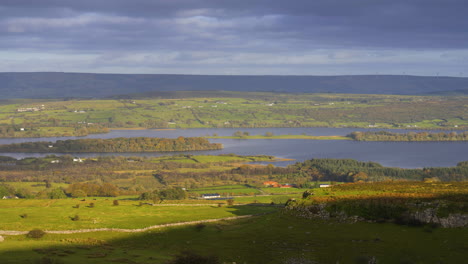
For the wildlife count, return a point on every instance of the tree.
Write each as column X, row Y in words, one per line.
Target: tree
column 24, row 193
column 307, row 194
column 238, row 134
column 146, row 196
column 36, row 233
column 4, row 191
column 57, row 193
column 360, row 176
column 78, row 193
column 172, row 194
column 108, row 189
column 48, row 184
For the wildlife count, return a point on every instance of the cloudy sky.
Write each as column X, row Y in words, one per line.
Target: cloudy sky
column 295, row 37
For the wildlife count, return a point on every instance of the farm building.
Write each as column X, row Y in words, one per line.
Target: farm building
column 10, row 197
column 210, row 195
column 271, row 184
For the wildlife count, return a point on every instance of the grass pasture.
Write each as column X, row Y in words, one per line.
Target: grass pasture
column 35, row 187
column 283, row 190
column 273, row 238
column 239, row 110
column 57, row 214
column 228, row 190
column 276, row 237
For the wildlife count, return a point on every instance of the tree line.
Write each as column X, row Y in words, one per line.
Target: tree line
column 138, row 144
column 410, row 136
column 348, row 170
column 136, row 175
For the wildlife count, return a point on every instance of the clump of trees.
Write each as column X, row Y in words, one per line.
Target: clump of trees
column 96, row 177
column 166, row 194
column 92, row 189
column 57, row 193
column 241, row 134
column 138, row 144
column 348, row 170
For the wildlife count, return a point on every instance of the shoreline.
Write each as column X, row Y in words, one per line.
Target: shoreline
column 283, row 137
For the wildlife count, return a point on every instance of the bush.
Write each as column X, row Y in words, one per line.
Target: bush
column 193, row 258
column 75, row 218
column 23, row 215
column 200, row 227
column 115, row 202
column 91, row 205
column 36, row 233
column 307, row 194
column 57, row 193
column 230, row 202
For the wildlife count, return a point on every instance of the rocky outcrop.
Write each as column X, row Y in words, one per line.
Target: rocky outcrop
column 427, row 215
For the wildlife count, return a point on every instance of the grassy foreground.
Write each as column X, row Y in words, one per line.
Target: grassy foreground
column 58, row 214
column 273, row 238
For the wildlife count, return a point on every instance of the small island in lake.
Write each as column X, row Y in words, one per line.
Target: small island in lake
column 410, row 136
column 360, row 136
column 137, row 144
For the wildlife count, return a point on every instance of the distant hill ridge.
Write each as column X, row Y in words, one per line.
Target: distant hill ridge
column 62, row 85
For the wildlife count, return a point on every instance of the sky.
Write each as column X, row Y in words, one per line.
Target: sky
column 239, row 37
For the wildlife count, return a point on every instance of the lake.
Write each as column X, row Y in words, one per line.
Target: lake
column 393, row 154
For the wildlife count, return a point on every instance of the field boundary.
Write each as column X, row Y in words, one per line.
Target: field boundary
column 124, row 230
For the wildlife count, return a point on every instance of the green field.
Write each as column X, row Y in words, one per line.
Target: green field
column 242, row 110
column 283, row 190
column 57, row 214
column 228, row 190
column 34, row 187
column 275, row 235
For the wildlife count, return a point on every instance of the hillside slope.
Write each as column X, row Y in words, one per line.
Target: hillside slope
column 60, row 85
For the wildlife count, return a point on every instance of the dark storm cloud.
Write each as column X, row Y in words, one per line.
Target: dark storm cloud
column 255, row 36
column 226, row 25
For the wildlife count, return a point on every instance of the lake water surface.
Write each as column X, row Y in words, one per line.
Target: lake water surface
column 394, row 154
